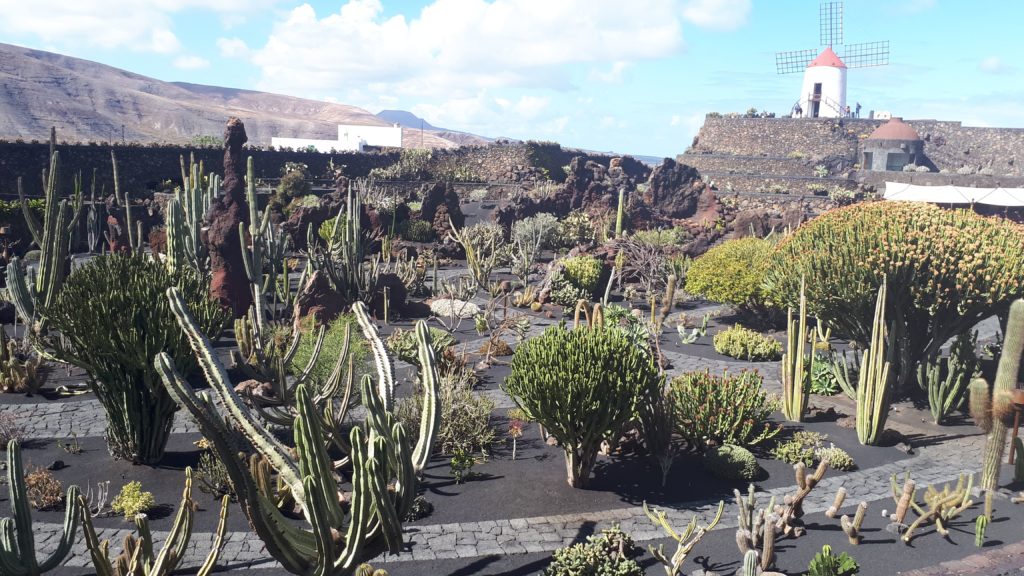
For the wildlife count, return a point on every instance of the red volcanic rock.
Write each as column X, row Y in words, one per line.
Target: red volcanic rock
column 229, row 285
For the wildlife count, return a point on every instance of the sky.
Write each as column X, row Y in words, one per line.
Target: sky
column 632, row 77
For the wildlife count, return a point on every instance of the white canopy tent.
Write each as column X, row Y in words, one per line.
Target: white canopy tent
column 954, row 194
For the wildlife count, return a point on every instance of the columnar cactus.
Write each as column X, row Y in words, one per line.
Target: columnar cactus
column 53, row 236
column 263, row 248
column 685, row 542
column 137, row 555
column 873, row 390
column 17, row 542
column 795, row 370
column 185, row 214
column 995, row 408
column 383, row 471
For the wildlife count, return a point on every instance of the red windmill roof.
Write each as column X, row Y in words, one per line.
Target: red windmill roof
column 895, row 129
column 827, row 58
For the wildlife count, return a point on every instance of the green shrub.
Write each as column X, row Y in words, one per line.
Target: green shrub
column 465, row 416
column 403, row 345
column 731, row 273
column 825, row 563
column 132, row 500
column 746, row 344
column 836, row 458
column 113, row 317
column 945, row 269
column 334, row 341
column 294, row 184
column 417, row 231
column 662, row 237
column 574, row 230
column 727, row 409
column 731, row 462
column 823, row 378
column 794, row 451
column 607, row 554
column 582, row 385
column 579, row 278
column 327, row 228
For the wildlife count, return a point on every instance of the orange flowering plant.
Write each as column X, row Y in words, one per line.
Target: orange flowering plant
column 946, row 270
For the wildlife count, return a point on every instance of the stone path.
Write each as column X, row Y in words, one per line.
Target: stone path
column 935, row 464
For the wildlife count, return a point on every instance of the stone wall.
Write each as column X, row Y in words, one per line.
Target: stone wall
column 878, row 179
column 503, row 161
column 141, row 167
column 947, row 145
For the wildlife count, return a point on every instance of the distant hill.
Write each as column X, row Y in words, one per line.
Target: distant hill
column 413, row 124
column 88, row 101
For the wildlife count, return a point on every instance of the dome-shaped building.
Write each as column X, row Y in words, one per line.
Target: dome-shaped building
column 892, row 146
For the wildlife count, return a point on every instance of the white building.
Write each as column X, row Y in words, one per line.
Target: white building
column 823, row 94
column 351, row 138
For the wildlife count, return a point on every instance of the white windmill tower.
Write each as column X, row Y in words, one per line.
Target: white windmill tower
column 823, row 93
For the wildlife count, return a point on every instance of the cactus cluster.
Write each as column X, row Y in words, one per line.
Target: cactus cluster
column 53, row 236
column 685, row 541
column 17, row 542
column 184, row 217
column 137, row 555
column 343, row 259
column 796, row 370
column 383, row 469
column 873, row 389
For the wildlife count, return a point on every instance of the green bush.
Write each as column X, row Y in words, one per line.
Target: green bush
column 825, row 563
column 334, row 341
column 836, row 458
column 794, row 451
column 403, row 345
column 731, row 463
column 132, row 500
column 945, row 270
column 465, row 416
column 727, row 409
column 579, row 278
column 582, row 385
column 746, row 344
column 113, row 316
column 417, row 231
column 731, row 273
column 607, row 554
column 294, row 184
column 574, row 230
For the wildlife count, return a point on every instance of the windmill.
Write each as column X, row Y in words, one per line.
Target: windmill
column 823, row 93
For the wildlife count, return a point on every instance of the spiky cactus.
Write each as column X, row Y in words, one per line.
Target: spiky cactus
column 263, row 254
column 873, row 391
column 185, row 214
column 17, row 542
column 343, row 259
column 996, row 407
column 795, row 370
column 685, row 542
column 338, row 539
column 137, row 555
column 53, row 236
column 750, row 567
column 852, row 527
column 620, row 213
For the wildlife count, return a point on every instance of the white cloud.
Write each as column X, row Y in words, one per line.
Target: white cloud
column 232, row 48
column 676, row 120
column 190, row 62
column 111, row 24
column 717, row 14
column 994, row 65
column 530, row 107
column 469, row 44
column 611, row 76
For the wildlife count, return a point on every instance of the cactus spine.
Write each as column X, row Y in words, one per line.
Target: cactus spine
column 1000, row 407
column 53, row 236
column 795, row 371
column 873, row 388
column 137, row 555
column 17, row 542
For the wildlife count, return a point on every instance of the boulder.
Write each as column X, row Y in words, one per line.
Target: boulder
column 319, row 299
column 673, row 189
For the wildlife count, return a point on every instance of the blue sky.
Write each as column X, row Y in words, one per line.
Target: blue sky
column 634, row 77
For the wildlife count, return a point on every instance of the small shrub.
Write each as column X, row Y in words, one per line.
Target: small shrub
column 731, row 273
column 794, row 451
column 574, row 230
column 578, row 279
column 731, row 463
column 825, row 563
column 727, row 409
column 43, row 490
column 746, row 344
column 10, row 428
column 836, row 458
column 417, row 231
column 820, row 171
column 132, row 500
column 461, row 465
column 293, row 184
column 465, row 415
column 420, row 508
column 823, row 378
column 452, row 308
column 212, row 476
column 478, row 195
column 662, row 237
column 404, row 346
column 607, row 554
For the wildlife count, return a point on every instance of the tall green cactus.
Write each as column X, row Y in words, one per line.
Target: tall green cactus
column 383, row 471
column 997, row 407
column 873, row 391
column 620, row 213
column 343, row 259
column 137, row 555
column 53, row 236
column 134, row 233
column 17, row 542
column 795, row 370
column 185, row 214
column 263, row 254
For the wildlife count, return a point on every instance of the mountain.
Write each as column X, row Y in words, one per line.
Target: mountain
column 88, row 101
column 411, row 122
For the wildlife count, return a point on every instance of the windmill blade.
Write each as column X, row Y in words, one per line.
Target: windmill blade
column 794, row 60
column 830, row 23
column 866, row 54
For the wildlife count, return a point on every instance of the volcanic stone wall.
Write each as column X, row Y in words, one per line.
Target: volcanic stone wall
column 140, row 167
